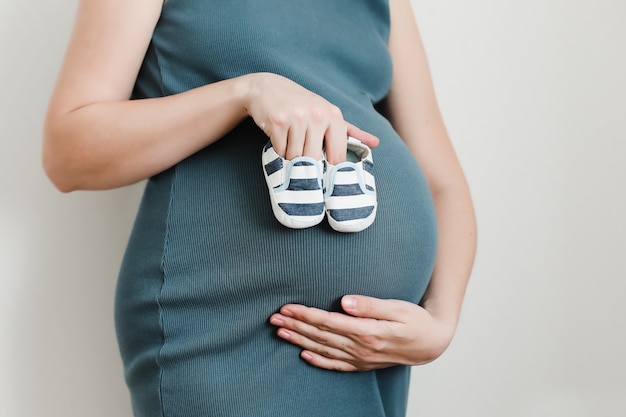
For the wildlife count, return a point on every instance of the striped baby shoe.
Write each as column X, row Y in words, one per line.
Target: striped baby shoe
column 350, row 194
column 295, row 188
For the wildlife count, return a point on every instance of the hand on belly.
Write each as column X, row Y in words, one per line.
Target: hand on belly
column 375, row 334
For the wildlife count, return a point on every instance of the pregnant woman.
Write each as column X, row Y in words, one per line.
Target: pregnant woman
column 221, row 310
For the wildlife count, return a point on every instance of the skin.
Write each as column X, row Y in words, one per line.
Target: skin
column 96, row 138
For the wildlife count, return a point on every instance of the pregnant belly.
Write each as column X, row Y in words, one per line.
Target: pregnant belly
column 224, row 247
column 207, row 264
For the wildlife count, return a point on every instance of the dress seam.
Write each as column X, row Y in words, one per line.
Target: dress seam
column 159, row 293
column 163, row 265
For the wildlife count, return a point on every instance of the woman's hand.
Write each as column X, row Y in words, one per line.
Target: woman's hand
column 376, row 334
column 298, row 121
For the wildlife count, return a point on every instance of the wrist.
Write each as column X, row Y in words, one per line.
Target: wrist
column 446, row 313
column 244, row 91
column 250, row 89
column 431, row 342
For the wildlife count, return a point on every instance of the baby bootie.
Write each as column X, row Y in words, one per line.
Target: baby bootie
column 350, row 191
column 295, row 188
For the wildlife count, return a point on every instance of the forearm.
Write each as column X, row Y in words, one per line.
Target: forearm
column 109, row 144
column 415, row 115
column 455, row 252
column 428, row 141
column 456, row 223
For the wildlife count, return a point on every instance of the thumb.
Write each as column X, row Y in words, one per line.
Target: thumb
column 374, row 308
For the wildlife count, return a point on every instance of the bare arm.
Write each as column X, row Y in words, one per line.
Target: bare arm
column 415, row 115
column 380, row 333
column 96, row 138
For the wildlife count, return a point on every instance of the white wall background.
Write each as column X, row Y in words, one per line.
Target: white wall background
column 534, row 97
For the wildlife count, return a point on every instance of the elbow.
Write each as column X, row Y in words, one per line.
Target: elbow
column 73, row 161
column 57, row 161
column 59, row 182
column 58, row 173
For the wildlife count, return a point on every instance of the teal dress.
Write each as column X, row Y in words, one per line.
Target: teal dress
column 207, row 263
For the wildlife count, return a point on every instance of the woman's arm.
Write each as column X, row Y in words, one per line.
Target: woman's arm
column 96, row 138
column 384, row 333
column 415, row 115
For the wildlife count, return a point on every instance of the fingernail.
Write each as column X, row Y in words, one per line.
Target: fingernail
column 276, row 321
column 286, row 312
column 349, row 303
column 307, row 355
column 283, row 333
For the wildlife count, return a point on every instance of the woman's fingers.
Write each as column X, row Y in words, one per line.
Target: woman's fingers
column 314, row 142
column 312, row 338
column 299, row 317
column 376, row 308
column 374, row 333
column 334, row 340
column 324, row 362
column 295, row 141
column 365, row 137
column 298, row 121
column 328, row 345
column 277, row 131
column 337, row 330
column 325, row 349
column 336, row 142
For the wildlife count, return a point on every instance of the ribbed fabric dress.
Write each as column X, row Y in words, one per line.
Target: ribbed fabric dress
column 207, row 263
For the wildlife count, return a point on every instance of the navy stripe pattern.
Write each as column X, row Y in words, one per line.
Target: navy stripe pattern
column 295, row 188
column 350, row 190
